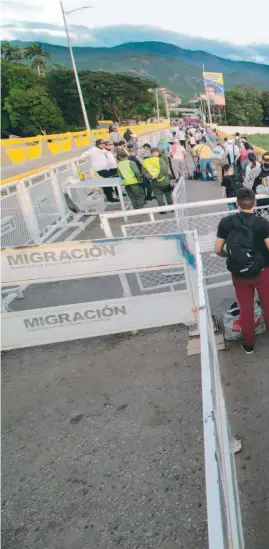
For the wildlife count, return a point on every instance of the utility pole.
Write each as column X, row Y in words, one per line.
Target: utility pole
column 207, row 99
column 166, row 104
column 81, row 98
column 157, row 104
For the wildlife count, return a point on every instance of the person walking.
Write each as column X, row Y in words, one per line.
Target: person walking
column 100, row 163
column 115, row 136
column 132, row 180
column 218, row 157
column 179, row 155
column 191, row 140
column 127, row 135
column 253, row 170
column 182, row 137
column 204, row 153
column 231, row 183
column 244, row 152
column 246, row 237
column 233, row 152
column 111, row 160
column 132, row 154
column 120, row 147
column 155, row 170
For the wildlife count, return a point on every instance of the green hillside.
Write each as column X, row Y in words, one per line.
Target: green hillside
column 172, row 67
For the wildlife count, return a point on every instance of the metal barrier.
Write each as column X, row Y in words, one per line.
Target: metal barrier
column 201, row 216
column 121, row 258
column 223, row 505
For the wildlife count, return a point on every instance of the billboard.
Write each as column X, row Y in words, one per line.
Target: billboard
column 214, row 86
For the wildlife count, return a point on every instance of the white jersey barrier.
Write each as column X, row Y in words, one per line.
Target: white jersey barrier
column 73, row 260
column 203, row 217
column 223, row 505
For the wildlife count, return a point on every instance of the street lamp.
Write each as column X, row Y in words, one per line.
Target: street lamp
column 81, row 98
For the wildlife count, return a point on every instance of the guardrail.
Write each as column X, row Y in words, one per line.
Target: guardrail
column 224, row 521
column 15, row 151
column 203, row 217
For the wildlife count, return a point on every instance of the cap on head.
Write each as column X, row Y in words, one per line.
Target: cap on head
column 252, row 157
column 265, row 157
column 99, row 142
column 108, row 143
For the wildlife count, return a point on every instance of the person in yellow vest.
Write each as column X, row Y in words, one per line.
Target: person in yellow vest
column 132, row 180
column 155, row 170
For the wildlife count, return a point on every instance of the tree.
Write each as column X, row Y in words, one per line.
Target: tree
column 31, row 112
column 244, row 106
column 265, row 107
column 253, row 106
column 36, row 53
column 235, row 107
column 9, row 52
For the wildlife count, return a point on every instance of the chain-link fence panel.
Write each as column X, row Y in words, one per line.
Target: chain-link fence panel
column 44, row 203
column 14, row 230
column 153, row 280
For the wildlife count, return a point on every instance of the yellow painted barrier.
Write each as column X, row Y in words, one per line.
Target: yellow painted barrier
column 29, row 148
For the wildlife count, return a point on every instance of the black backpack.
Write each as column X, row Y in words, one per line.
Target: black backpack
column 236, row 183
column 243, row 260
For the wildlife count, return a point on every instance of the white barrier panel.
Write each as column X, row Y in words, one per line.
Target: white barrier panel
column 183, row 219
column 223, row 506
column 71, row 322
column 73, row 260
column 69, row 260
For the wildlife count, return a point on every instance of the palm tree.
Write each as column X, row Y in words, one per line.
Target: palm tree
column 10, row 52
column 37, row 54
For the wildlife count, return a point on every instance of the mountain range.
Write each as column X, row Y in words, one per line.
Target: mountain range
column 174, row 68
column 113, row 35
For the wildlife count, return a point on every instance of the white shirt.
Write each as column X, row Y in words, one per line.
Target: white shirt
column 232, row 150
column 178, row 152
column 111, row 160
column 98, row 158
column 181, row 135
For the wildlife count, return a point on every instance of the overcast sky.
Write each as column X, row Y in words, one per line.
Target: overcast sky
column 228, row 20
column 226, row 28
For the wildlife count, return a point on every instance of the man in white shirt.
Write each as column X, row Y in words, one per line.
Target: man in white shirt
column 182, row 138
column 232, row 152
column 100, row 163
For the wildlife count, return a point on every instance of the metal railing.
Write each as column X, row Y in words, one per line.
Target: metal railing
column 223, row 505
column 204, row 217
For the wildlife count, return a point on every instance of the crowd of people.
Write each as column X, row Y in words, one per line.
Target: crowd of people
column 242, row 237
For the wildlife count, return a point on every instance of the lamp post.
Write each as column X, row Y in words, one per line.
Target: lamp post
column 157, row 105
column 81, row 98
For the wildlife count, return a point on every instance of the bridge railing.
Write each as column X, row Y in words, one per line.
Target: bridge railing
column 15, row 151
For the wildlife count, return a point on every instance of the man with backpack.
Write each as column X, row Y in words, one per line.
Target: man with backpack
column 231, row 183
column 246, row 237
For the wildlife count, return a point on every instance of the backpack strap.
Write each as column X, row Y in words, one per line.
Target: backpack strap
column 238, row 220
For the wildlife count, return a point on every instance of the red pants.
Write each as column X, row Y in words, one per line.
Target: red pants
column 244, row 290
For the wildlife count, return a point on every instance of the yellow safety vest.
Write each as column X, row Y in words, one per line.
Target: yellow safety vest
column 127, row 173
column 152, row 165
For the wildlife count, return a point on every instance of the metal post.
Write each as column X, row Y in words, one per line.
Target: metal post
column 166, row 105
column 81, row 98
column 157, row 105
column 207, row 99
